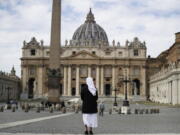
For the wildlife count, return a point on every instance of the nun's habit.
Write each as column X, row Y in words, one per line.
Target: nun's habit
column 89, row 97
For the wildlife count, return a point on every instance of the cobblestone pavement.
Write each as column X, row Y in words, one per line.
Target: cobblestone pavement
column 168, row 121
column 9, row 116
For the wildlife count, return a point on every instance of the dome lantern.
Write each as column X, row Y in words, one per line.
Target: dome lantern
column 90, row 17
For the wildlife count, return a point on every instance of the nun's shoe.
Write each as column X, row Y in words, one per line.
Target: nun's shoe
column 86, row 132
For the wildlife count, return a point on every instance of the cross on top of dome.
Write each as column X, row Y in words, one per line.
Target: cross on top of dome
column 90, row 17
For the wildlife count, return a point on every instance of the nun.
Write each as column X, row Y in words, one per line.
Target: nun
column 89, row 98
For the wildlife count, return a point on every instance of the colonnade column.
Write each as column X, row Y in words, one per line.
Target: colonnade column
column 69, row 81
column 169, row 92
column 175, row 90
column 102, row 81
column 77, row 81
column 97, row 79
column 178, row 93
column 65, row 81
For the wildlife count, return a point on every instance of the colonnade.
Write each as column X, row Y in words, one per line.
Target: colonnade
column 99, row 79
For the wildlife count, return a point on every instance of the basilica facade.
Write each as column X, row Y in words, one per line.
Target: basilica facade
column 88, row 53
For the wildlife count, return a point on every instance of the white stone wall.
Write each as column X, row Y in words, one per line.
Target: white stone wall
column 165, row 86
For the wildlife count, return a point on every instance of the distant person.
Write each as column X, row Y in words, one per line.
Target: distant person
column 101, row 108
column 89, row 98
column 48, row 104
column 62, row 104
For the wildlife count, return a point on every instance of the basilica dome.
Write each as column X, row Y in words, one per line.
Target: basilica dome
column 90, row 33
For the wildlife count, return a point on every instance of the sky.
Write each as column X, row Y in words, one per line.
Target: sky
column 152, row 21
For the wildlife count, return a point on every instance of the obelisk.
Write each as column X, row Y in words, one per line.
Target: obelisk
column 54, row 60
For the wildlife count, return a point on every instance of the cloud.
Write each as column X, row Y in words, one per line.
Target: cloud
column 154, row 21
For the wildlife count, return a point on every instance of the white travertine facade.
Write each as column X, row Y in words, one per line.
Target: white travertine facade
column 106, row 64
column 165, row 85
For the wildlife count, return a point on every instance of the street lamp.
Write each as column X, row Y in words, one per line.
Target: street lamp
column 115, row 102
column 8, row 88
column 126, row 81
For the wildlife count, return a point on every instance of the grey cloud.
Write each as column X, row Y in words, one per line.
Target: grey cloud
column 121, row 21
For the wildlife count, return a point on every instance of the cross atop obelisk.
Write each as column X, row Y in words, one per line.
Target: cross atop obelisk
column 54, row 60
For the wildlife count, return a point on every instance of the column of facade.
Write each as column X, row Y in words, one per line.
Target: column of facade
column 77, row 81
column 27, row 81
column 97, row 78
column 39, row 82
column 143, row 81
column 113, row 79
column 65, row 81
column 24, row 79
column 89, row 71
column 102, row 81
column 69, row 81
column 44, row 88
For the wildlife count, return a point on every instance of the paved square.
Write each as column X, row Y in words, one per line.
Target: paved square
column 166, row 122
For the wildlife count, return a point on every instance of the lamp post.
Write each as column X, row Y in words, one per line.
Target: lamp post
column 8, row 88
column 126, row 81
column 115, row 102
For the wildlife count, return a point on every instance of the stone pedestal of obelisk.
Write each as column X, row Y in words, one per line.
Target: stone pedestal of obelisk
column 54, row 60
